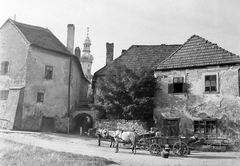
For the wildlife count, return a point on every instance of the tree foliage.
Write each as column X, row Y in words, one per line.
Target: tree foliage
column 126, row 94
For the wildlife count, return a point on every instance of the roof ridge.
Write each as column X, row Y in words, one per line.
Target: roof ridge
column 30, row 26
column 156, row 45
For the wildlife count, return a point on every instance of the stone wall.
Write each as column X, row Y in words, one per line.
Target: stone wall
column 126, row 125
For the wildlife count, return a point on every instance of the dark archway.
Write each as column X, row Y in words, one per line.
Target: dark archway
column 82, row 120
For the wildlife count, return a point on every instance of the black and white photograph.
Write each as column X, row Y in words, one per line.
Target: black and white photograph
column 120, row 83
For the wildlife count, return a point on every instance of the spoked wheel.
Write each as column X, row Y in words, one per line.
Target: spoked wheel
column 155, row 149
column 144, row 144
column 180, row 148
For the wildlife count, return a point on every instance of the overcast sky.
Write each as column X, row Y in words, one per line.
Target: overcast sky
column 131, row 22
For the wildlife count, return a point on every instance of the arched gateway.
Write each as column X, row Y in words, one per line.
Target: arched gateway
column 84, row 120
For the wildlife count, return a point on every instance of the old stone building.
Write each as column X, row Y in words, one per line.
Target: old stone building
column 136, row 57
column 199, row 90
column 41, row 81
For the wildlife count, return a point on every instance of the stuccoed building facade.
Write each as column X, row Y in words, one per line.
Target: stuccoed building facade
column 41, row 81
column 200, row 91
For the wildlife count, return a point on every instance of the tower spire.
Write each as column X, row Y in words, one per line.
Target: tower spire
column 87, row 31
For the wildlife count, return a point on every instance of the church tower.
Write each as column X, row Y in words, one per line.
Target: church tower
column 86, row 58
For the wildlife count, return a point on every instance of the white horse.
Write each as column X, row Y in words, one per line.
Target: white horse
column 126, row 137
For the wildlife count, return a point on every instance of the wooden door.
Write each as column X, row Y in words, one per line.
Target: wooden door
column 47, row 124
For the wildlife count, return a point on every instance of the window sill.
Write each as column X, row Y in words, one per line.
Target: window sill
column 180, row 93
column 211, row 93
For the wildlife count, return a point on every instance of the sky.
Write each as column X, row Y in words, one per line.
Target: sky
column 131, row 22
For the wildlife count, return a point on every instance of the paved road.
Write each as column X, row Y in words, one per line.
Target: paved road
column 88, row 146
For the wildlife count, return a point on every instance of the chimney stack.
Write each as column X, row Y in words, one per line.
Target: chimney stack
column 78, row 52
column 70, row 37
column 123, row 51
column 109, row 57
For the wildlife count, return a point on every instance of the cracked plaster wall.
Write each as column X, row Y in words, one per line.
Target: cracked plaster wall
column 224, row 105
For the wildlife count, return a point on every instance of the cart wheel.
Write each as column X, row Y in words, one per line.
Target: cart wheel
column 155, row 149
column 144, row 144
column 180, row 149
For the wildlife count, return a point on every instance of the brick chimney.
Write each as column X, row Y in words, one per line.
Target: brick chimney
column 78, row 52
column 70, row 37
column 109, row 57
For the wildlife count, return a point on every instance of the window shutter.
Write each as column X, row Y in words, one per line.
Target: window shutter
column 170, row 88
column 185, row 88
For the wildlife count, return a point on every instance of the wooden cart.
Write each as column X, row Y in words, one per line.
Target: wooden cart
column 178, row 145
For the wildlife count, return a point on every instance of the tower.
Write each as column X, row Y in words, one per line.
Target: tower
column 86, row 58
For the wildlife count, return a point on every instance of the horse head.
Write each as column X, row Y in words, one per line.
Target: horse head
column 103, row 132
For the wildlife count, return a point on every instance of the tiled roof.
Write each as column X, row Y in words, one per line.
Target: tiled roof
column 198, row 52
column 41, row 37
column 138, row 56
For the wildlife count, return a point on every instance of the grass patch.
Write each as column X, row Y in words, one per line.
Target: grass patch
column 24, row 155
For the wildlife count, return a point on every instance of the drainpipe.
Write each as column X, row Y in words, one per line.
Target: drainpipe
column 70, row 46
column 69, row 91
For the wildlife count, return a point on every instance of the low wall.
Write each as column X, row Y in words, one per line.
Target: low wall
column 126, row 125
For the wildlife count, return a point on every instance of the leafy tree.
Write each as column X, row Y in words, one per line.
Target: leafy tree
column 126, row 94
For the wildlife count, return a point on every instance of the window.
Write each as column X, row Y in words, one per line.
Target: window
column 178, row 86
column 48, row 72
column 40, row 97
column 210, row 83
column 4, row 67
column 205, row 127
column 4, row 94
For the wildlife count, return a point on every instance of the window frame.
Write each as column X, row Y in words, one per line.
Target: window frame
column 4, row 94
column 4, row 69
column 40, row 97
column 179, row 82
column 48, row 72
column 217, row 83
column 204, row 126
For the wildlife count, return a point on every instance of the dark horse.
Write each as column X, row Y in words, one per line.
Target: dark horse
column 126, row 137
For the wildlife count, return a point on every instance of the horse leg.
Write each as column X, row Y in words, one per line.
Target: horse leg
column 134, row 145
column 99, row 141
column 116, row 147
column 110, row 144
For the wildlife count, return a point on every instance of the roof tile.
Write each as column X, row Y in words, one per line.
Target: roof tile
column 138, row 56
column 41, row 37
column 196, row 52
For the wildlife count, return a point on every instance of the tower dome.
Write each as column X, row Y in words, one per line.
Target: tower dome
column 86, row 58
